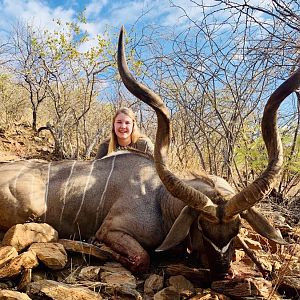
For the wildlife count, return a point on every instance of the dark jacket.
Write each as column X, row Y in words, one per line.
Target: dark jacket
column 143, row 144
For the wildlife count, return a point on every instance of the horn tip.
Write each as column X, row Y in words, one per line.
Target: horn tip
column 281, row 241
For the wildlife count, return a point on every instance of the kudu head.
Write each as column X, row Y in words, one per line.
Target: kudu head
column 217, row 215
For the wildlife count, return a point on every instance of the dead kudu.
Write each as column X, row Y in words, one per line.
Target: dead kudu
column 133, row 204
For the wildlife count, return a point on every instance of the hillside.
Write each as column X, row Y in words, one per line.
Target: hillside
column 20, row 142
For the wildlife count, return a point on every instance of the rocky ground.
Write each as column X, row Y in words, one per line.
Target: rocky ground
column 36, row 264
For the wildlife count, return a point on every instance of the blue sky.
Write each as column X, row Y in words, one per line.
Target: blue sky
column 99, row 12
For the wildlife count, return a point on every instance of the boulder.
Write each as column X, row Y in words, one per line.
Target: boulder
column 26, row 260
column 52, row 255
column 48, row 289
column 7, row 253
column 13, row 295
column 21, row 236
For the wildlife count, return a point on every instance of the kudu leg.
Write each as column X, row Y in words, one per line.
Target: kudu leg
column 127, row 250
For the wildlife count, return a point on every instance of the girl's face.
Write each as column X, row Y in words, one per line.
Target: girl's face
column 123, row 127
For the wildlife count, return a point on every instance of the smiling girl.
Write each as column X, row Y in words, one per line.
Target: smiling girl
column 125, row 134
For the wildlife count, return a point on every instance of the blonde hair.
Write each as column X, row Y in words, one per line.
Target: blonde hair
column 135, row 135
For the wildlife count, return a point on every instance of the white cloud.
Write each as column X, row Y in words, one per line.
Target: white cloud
column 126, row 12
column 161, row 12
column 36, row 13
column 92, row 28
column 95, row 7
column 100, row 13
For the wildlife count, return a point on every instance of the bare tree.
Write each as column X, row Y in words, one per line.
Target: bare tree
column 218, row 71
column 26, row 65
column 73, row 87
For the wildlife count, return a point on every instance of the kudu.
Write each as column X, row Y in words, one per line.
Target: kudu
column 121, row 200
column 213, row 211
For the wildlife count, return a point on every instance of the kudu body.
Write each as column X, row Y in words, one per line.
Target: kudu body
column 119, row 198
column 134, row 204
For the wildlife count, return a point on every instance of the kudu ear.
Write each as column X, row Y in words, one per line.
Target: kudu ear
column 262, row 226
column 179, row 229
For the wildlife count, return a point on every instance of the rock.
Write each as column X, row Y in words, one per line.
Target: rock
column 112, row 290
column 238, row 255
column 48, row 289
column 243, row 287
column 118, row 279
column 115, row 273
column 182, row 285
column 38, row 275
column 89, row 273
column 52, row 255
column 6, row 285
column 241, row 269
column 21, row 236
column 168, row 293
column 290, row 286
column 6, row 254
column 196, row 276
column 38, row 139
column 13, row 295
column 207, row 294
column 153, row 284
column 114, row 267
column 26, row 260
column 265, row 262
column 25, row 280
column 265, row 243
column 252, row 244
column 70, row 278
column 85, row 248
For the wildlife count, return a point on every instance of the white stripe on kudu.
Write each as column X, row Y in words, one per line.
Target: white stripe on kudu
column 46, row 191
column 100, row 206
column 65, row 193
column 84, row 192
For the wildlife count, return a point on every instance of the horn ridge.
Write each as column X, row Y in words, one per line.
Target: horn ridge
column 259, row 188
column 174, row 185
